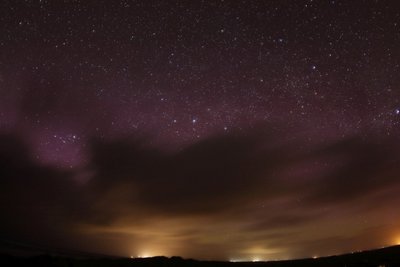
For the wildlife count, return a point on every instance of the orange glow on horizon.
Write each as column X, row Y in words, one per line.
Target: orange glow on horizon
column 396, row 240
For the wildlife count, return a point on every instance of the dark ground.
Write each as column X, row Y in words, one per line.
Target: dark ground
column 386, row 257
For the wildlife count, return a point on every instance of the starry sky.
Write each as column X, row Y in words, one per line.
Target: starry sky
column 229, row 130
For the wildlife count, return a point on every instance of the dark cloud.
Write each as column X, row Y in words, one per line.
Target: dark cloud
column 217, row 178
column 362, row 167
column 286, row 220
column 34, row 198
column 210, row 175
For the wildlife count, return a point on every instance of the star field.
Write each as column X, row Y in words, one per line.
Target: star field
column 78, row 76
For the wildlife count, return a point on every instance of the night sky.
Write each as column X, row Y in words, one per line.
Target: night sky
column 229, row 130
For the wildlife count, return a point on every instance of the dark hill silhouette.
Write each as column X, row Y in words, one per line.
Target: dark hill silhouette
column 385, row 257
column 25, row 250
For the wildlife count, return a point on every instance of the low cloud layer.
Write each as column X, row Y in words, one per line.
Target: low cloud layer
column 240, row 195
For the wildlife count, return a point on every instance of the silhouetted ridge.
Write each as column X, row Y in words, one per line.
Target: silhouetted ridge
column 385, row 257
